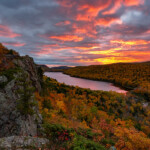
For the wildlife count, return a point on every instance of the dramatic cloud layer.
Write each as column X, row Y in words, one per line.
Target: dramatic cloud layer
column 77, row 32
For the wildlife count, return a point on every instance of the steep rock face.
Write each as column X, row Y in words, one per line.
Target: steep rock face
column 12, row 122
column 28, row 65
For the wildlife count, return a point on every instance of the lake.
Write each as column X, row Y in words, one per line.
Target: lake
column 84, row 83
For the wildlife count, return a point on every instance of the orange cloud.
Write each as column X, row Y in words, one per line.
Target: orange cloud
column 49, row 45
column 15, row 44
column 80, row 30
column 137, row 53
column 111, row 60
column 83, row 17
column 85, row 29
column 117, row 4
column 42, row 52
column 89, row 9
column 133, row 2
column 133, row 42
column 107, row 21
column 106, row 52
column 5, row 31
column 51, row 48
column 148, row 31
column 86, row 48
column 120, row 54
column 126, row 56
column 74, row 38
column 46, row 49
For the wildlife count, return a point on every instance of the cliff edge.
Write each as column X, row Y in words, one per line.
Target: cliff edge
column 19, row 80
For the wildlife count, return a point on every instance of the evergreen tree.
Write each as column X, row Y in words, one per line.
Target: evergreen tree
column 26, row 102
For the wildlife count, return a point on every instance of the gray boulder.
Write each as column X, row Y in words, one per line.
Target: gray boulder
column 112, row 148
column 3, row 79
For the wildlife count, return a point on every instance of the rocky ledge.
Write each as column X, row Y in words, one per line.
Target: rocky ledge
column 22, row 143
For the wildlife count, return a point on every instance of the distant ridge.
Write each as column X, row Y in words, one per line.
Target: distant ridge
column 45, row 68
column 59, row 68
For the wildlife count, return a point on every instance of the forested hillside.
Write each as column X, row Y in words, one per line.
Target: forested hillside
column 127, row 75
column 81, row 119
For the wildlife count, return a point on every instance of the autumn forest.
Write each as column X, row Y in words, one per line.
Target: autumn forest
column 81, row 119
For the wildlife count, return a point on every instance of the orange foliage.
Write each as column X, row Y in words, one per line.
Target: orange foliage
column 131, row 139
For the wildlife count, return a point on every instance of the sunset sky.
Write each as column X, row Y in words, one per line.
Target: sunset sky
column 77, row 32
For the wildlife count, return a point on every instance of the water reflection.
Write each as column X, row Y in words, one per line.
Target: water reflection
column 84, row 83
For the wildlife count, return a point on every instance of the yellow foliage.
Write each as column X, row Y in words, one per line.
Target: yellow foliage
column 61, row 105
column 131, row 139
column 84, row 124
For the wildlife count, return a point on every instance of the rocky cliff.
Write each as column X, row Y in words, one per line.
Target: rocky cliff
column 19, row 80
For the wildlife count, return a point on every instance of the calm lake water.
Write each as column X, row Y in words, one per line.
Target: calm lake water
column 84, row 83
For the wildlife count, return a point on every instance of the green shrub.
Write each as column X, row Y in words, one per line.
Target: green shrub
column 81, row 143
column 57, row 132
column 47, row 104
column 10, row 73
column 86, row 133
column 94, row 110
column 108, row 141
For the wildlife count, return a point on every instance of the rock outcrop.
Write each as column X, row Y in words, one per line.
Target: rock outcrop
column 12, row 121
